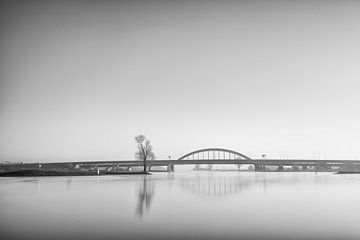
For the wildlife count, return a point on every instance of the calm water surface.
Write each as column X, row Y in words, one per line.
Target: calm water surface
column 202, row 205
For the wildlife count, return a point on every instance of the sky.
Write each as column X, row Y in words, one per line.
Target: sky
column 80, row 79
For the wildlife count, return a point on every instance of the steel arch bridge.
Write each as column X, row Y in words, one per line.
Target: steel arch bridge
column 214, row 154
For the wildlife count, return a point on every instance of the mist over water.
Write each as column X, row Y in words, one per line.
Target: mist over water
column 200, row 205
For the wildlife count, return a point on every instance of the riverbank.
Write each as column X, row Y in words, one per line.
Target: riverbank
column 48, row 173
column 348, row 172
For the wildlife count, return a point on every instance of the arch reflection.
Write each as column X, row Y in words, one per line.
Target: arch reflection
column 215, row 186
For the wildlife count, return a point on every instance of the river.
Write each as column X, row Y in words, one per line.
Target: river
column 180, row 205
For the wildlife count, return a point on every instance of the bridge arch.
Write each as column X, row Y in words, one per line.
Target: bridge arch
column 235, row 154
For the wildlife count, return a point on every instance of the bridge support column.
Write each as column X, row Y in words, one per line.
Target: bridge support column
column 170, row 168
column 260, row 168
column 320, row 167
column 295, row 168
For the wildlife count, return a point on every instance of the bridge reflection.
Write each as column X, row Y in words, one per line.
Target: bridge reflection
column 215, row 186
column 211, row 186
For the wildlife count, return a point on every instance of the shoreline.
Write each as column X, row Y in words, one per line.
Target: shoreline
column 50, row 173
column 347, row 172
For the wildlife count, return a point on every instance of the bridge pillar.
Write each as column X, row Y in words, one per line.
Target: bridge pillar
column 260, row 168
column 295, row 168
column 320, row 167
column 170, row 168
column 257, row 168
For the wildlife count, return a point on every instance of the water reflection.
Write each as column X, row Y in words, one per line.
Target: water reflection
column 145, row 195
column 68, row 184
column 215, row 187
column 185, row 204
column 224, row 186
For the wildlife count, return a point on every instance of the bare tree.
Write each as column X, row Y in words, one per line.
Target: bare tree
column 145, row 150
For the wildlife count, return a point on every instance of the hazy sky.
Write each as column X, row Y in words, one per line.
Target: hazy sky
column 79, row 79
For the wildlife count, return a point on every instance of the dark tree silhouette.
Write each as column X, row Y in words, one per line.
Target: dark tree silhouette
column 145, row 150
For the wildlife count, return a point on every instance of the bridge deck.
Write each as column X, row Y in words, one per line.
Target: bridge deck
column 288, row 162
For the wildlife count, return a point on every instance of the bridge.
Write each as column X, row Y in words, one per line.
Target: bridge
column 207, row 156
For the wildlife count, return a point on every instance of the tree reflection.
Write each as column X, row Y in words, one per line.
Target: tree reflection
column 145, row 195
